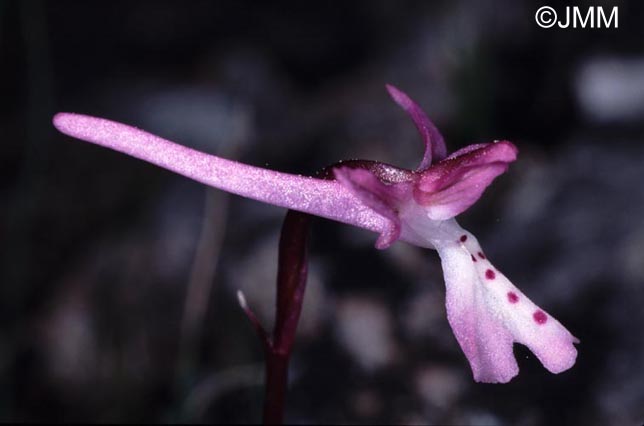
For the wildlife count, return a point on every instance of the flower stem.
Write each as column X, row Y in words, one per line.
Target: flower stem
column 275, row 387
column 291, row 282
column 292, row 272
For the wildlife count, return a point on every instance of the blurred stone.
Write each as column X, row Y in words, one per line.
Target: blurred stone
column 69, row 339
column 631, row 253
column 440, row 387
column 611, row 88
column 367, row 403
column 364, row 328
column 425, row 314
column 479, row 418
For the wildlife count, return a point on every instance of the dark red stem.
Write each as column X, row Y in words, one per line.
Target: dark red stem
column 292, row 270
column 276, row 381
column 291, row 282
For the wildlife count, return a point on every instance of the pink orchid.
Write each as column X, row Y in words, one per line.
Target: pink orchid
column 486, row 311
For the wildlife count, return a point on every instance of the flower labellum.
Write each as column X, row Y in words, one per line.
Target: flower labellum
column 485, row 310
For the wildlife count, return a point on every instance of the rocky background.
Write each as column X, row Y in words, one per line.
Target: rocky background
column 118, row 279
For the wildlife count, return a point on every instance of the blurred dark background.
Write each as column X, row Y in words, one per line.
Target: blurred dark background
column 118, row 279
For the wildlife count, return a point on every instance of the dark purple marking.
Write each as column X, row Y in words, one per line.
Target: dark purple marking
column 512, row 297
column 481, row 255
column 463, row 238
column 489, row 274
column 540, row 317
column 473, row 258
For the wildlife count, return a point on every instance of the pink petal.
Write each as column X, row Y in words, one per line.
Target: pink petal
column 435, row 149
column 382, row 198
column 454, row 184
column 324, row 198
column 488, row 314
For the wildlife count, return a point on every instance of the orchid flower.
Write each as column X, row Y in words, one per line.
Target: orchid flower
column 485, row 310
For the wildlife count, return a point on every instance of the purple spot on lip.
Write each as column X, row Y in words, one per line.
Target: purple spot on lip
column 512, row 297
column 489, row 274
column 463, row 238
column 481, row 255
column 473, row 258
column 539, row 317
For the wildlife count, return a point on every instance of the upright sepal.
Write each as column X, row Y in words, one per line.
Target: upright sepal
column 435, row 149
